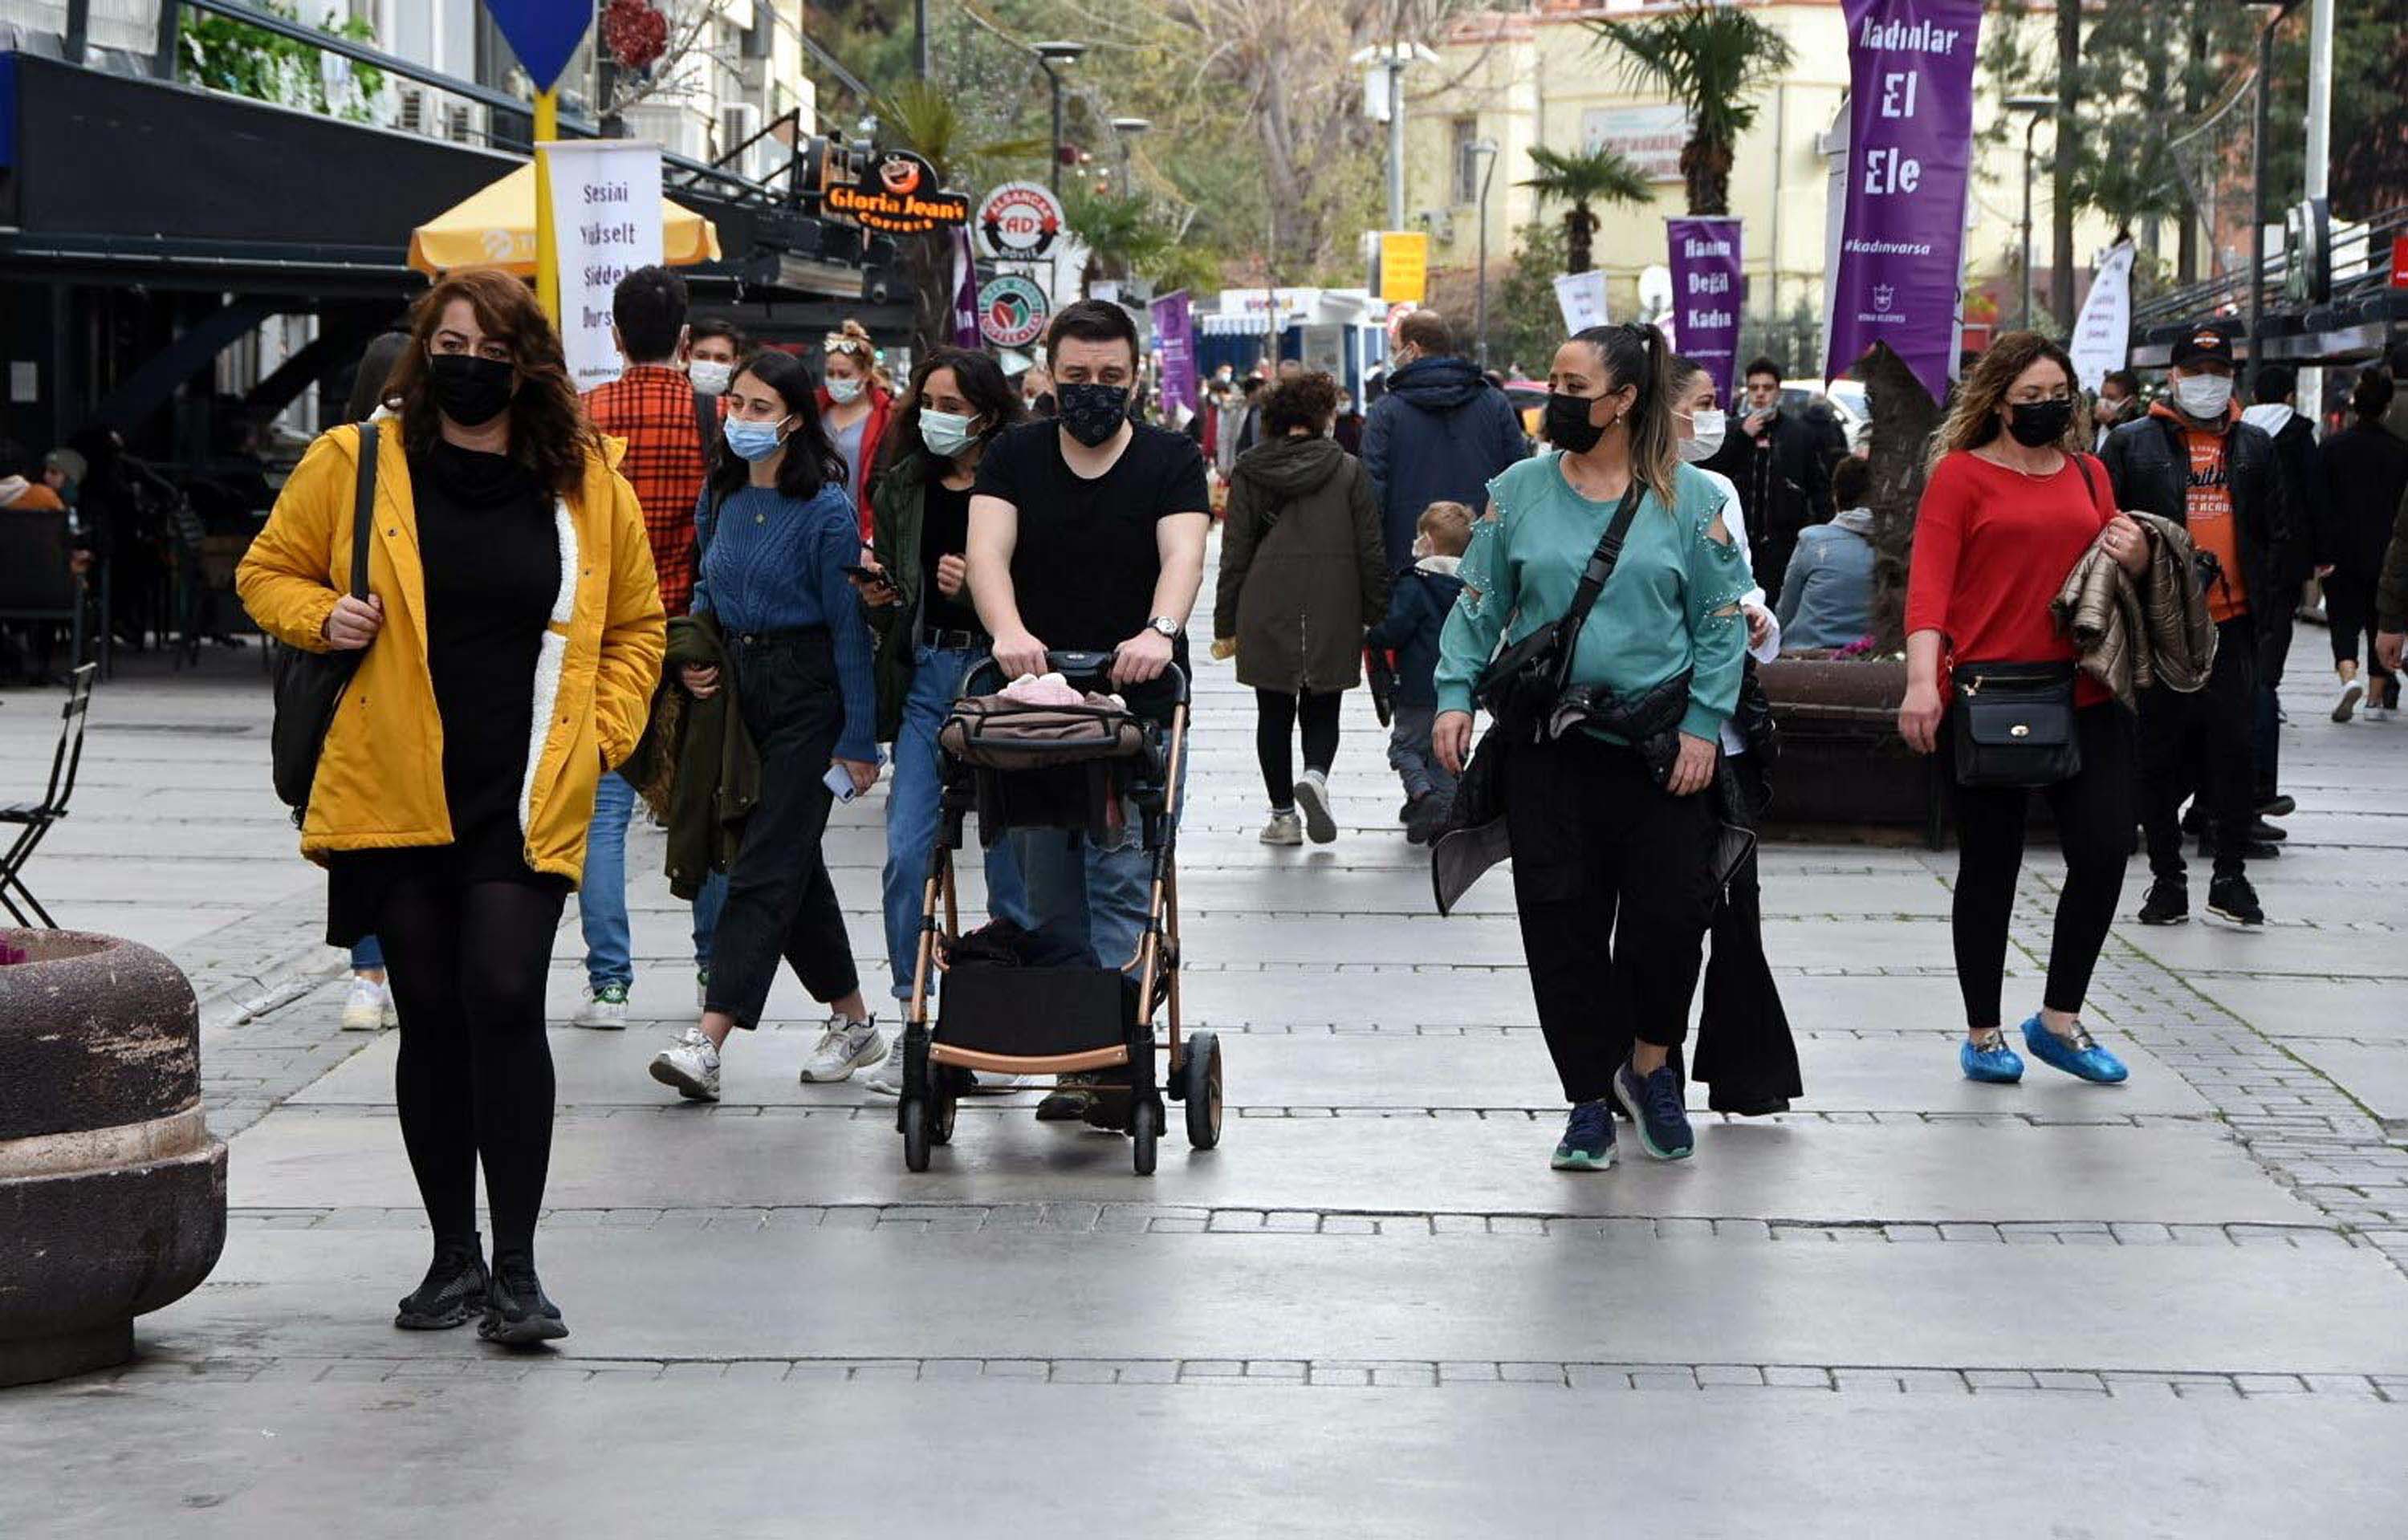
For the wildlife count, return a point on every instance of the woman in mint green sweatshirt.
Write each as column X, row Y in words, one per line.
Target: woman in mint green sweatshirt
column 1601, row 845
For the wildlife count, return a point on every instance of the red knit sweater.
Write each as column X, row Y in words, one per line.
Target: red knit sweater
column 1992, row 547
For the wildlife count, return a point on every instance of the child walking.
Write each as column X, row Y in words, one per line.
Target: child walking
column 1418, row 604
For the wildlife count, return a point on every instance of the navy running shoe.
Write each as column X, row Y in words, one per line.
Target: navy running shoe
column 1654, row 1103
column 1587, row 1144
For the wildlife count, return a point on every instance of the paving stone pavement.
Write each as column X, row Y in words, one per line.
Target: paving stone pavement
column 1373, row 1307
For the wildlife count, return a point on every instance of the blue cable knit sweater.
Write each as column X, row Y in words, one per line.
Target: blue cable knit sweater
column 773, row 564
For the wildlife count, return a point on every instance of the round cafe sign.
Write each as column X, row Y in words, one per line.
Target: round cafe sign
column 1013, row 311
column 1019, row 221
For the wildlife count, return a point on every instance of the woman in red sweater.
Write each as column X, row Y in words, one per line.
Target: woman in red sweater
column 2011, row 506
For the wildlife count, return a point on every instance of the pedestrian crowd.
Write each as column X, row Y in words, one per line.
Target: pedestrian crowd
column 742, row 585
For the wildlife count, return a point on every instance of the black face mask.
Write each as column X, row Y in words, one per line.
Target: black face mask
column 1093, row 413
column 469, row 390
column 1567, row 426
column 2037, row 425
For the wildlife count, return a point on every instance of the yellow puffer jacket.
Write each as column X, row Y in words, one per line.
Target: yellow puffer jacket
column 379, row 781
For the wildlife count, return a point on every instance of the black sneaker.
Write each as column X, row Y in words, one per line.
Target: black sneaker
column 2168, row 904
column 2251, row 850
column 454, row 1287
column 2277, row 807
column 2231, row 897
column 517, row 1313
column 1424, row 818
column 1068, row 1101
column 2266, row 833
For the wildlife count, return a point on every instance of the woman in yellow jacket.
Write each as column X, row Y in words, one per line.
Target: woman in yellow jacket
column 513, row 632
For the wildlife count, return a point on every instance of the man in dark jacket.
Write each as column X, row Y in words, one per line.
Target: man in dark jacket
column 2192, row 460
column 1437, row 435
column 1777, row 461
column 2292, row 562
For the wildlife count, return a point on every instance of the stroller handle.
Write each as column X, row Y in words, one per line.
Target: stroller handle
column 1094, row 667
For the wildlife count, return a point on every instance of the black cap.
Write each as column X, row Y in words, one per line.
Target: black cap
column 2204, row 343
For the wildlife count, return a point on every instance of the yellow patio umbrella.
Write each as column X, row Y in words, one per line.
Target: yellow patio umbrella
column 495, row 228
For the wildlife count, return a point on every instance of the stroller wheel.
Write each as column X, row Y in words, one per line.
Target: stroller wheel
column 1145, row 1133
column 940, row 1118
column 915, row 1134
column 1200, row 1086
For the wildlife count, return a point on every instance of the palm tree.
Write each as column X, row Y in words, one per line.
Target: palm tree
column 1598, row 176
column 1711, row 57
column 1120, row 233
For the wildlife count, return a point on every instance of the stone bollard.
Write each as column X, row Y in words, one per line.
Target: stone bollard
column 112, row 1193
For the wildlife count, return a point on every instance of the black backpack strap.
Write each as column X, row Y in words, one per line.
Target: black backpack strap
column 706, row 425
column 364, row 509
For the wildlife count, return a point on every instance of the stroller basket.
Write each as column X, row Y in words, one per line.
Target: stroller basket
column 995, row 733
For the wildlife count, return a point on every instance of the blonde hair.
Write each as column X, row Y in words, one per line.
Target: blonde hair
column 853, row 337
column 1448, row 526
column 1972, row 420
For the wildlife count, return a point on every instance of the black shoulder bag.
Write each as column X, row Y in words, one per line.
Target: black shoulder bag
column 2012, row 723
column 309, row 685
column 1522, row 685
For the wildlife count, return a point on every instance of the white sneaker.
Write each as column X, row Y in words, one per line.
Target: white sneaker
column 1313, row 801
column 2376, row 713
column 888, row 1078
column 691, row 1064
column 845, row 1046
column 2352, row 692
column 1284, row 829
column 368, row 1007
column 605, row 1009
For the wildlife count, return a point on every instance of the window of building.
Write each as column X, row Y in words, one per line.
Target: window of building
column 1463, row 134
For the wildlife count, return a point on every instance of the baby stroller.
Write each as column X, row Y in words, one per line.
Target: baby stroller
column 1068, row 769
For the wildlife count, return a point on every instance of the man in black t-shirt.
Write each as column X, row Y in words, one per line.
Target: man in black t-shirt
column 1087, row 536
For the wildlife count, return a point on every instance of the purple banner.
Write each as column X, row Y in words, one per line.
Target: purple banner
column 966, row 290
column 1174, row 337
column 1910, row 146
column 1706, row 295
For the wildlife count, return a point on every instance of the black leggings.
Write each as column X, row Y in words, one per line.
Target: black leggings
column 1275, row 719
column 2094, row 826
column 2349, row 606
column 467, row 963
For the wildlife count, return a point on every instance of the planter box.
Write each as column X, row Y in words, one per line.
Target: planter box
column 1843, row 768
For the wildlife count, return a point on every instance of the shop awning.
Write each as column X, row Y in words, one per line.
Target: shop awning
column 495, row 228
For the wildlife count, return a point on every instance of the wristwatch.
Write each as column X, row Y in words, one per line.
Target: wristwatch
column 1167, row 626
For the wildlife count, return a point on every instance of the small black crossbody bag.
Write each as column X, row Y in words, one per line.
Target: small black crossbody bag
column 2013, row 722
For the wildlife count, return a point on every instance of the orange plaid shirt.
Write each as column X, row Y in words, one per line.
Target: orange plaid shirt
column 651, row 408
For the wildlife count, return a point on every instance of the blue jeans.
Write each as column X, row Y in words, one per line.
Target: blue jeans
column 1090, row 895
column 602, row 901
column 368, row 956
column 911, row 808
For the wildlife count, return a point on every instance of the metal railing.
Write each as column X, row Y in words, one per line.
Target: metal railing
column 2228, row 293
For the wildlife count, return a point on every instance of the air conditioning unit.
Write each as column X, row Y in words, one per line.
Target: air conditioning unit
column 460, row 124
column 409, row 110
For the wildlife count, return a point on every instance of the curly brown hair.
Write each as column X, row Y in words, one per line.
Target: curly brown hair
column 1973, row 418
column 550, row 434
column 1307, row 402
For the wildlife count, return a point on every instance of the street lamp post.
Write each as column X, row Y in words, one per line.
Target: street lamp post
column 2038, row 106
column 1128, row 129
column 2277, row 9
column 1480, row 306
column 1049, row 55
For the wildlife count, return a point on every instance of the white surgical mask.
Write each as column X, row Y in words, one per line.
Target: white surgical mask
column 710, row 376
column 946, row 434
column 1707, row 439
column 2204, row 396
column 844, row 393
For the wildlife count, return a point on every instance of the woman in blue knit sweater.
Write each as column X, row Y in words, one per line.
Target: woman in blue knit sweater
column 776, row 531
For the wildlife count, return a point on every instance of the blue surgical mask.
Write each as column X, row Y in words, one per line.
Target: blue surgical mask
column 753, row 440
column 844, row 393
column 946, row 434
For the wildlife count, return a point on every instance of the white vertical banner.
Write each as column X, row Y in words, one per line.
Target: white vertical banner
column 1581, row 296
column 2102, row 337
column 606, row 215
